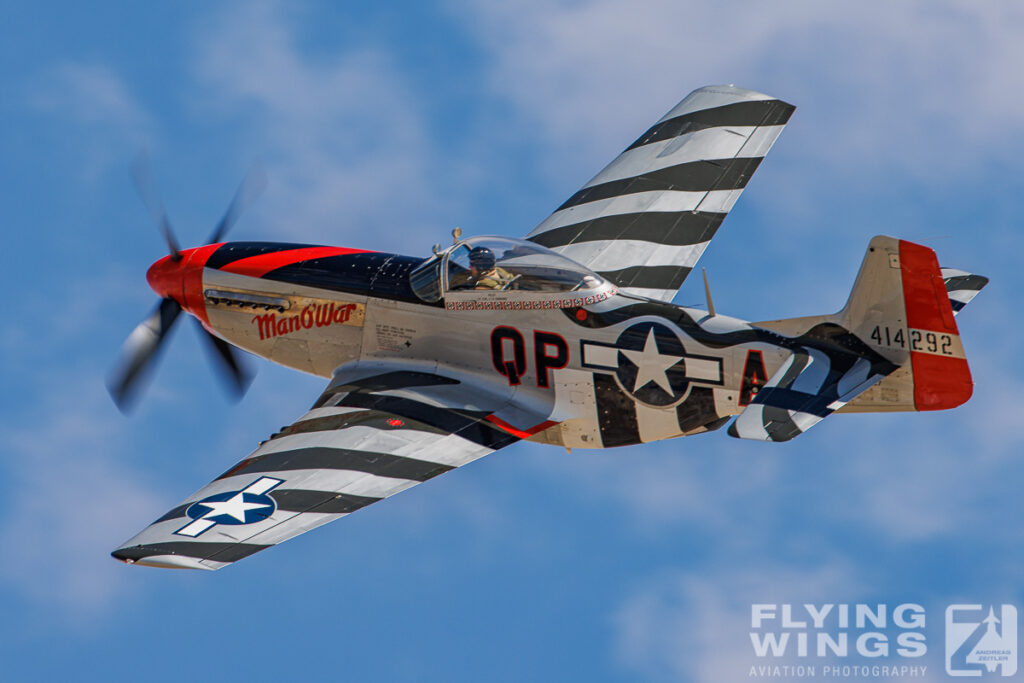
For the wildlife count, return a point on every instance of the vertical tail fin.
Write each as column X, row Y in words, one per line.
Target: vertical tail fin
column 900, row 308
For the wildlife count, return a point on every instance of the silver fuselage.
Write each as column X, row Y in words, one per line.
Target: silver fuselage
column 319, row 331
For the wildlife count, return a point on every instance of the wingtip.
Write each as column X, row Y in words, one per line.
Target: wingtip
column 131, row 555
column 733, row 91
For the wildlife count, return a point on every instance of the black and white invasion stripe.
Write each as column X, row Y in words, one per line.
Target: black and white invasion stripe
column 644, row 221
column 962, row 287
column 624, row 421
column 352, row 449
column 812, row 384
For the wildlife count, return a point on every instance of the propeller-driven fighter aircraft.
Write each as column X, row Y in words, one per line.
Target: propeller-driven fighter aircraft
column 567, row 337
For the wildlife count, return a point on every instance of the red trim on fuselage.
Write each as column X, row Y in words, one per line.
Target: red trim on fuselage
column 521, row 433
column 258, row 266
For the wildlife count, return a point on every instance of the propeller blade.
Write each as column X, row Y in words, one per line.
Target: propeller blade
column 138, row 351
column 142, row 174
column 252, row 186
column 234, row 372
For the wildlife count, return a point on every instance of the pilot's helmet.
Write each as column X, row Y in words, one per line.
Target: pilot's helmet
column 482, row 258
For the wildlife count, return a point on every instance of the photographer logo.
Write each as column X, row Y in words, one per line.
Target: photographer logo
column 981, row 640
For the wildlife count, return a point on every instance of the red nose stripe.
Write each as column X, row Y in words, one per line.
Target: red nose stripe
column 194, row 301
column 258, row 266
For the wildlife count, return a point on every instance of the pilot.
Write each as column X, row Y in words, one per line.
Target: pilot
column 483, row 271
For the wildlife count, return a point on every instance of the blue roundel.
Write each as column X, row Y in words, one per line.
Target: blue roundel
column 233, row 507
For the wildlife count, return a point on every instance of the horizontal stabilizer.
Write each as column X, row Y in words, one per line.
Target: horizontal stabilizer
column 811, row 385
column 962, row 287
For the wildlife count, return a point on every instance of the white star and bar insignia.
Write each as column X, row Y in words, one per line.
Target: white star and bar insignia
column 234, row 507
column 660, row 371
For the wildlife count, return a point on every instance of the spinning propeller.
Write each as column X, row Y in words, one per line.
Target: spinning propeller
column 146, row 340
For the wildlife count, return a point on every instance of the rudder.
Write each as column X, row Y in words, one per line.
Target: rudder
column 900, row 307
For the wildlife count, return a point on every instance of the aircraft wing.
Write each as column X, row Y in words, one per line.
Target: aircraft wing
column 364, row 440
column 646, row 218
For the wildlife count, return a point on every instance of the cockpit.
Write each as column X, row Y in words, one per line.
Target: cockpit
column 499, row 272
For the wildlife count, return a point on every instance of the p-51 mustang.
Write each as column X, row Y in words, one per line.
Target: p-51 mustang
column 566, row 337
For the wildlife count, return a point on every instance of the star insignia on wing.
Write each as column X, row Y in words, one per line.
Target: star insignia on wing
column 233, row 507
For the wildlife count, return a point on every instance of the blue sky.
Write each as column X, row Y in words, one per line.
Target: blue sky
column 384, row 127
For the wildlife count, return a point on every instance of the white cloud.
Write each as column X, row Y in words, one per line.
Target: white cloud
column 694, row 625
column 915, row 84
column 342, row 135
column 95, row 95
column 111, row 122
column 699, row 481
column 71, row 502
column 73, row 493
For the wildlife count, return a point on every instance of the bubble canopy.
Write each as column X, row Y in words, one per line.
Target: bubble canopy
column 501, row 269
